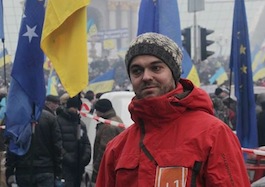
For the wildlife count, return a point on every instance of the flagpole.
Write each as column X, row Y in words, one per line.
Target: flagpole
column 4, row 57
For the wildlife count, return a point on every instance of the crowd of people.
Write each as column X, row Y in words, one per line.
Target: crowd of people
column 60, row 148
column 178, row 130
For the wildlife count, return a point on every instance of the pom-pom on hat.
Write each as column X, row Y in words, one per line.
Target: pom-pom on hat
column 159, row 46
column 103, row 105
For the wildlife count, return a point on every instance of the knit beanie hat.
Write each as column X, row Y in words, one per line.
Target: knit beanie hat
column 103, row 105
column 74, row 102
column 159, row 46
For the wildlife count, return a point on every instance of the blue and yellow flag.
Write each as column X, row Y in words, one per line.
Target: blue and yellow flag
column 64, row 41
column 240, row 64
column 27, row 90
column 163, row 17
column 5, row 58
column 258, row 65
column 91, row 28
column 52, row 83
column 103, row 83
column 219, row 77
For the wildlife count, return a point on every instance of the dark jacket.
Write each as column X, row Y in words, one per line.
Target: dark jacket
column 76, row 152
column 45, row 152
column 104, row 133
column 261, row 126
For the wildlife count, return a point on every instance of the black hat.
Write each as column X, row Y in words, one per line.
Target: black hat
column 218, row 91
column 53, row 98
column 74, row 102
column 103, row 105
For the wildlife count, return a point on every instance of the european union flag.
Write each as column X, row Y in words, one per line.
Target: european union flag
column 27, row 91
column 163, row 17
column 2, row 36
column 240, row 64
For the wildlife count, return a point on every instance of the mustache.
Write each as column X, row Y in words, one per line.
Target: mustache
column 145, row 85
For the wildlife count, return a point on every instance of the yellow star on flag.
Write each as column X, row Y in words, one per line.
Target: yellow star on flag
column 242, row 49
column 244, row 69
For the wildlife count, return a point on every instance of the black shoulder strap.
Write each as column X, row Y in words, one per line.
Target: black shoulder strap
column 195, row 171
column 142, row 146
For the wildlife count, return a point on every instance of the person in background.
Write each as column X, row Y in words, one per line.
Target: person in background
column 52, row 103
column 261, row 125
column 230, row 106
column 104, row 132
column 221, row 111
column 3, row 94
column 98, row 95
column 175, row 137
column 90, row 100
column 76, row 145
column 42, row 164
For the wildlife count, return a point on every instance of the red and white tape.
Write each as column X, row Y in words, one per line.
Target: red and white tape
column 85, row 113
column 257, row 152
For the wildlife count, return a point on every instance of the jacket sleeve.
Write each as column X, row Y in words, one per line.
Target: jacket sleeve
column 225, row 165
column 85, row 147
column 106, row 175
column 57, row 148
column 107, row 133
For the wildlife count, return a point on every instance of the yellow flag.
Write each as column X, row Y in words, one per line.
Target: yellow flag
column 64, row 41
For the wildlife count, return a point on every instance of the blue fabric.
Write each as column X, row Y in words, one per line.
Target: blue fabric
column 2, row 36
column 2, row 108
column 27, row 91
column 163, row 17
column 240, row 64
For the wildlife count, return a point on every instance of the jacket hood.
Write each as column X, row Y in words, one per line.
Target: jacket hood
column 171, row 105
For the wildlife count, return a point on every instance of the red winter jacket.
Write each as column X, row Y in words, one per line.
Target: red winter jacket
column 178, row 129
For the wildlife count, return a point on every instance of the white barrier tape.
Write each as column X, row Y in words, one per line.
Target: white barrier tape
column 106, row 121
column 85, row 112
column 254, row 151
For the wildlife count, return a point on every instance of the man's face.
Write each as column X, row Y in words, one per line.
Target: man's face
column 150, row 77
column 52, row 105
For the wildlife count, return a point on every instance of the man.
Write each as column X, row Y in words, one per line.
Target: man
column 52, row 103
column 230, row 104
column 76, row 145
column 104, row 132
column 42, row 164
column 175, row 138
column 261, row 125
column 3, row 94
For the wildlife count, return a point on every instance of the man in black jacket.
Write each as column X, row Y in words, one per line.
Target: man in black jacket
column 42, row 164
column 76, row 145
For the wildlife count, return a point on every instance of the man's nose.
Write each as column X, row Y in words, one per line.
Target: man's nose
column 147, row 74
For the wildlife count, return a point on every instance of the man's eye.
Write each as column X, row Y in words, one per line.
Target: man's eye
column 136, row 71
column 156, row 68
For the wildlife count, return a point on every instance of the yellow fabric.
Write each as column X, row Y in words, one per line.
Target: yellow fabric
column 6, row 61
column 194, row 77
column 222, row 78
column 102, row 86
column 64, row 41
